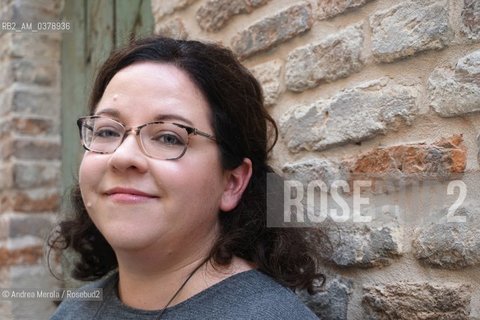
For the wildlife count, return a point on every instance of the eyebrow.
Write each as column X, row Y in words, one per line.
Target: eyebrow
column 161, row 117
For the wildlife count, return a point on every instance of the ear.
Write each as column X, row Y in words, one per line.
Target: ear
column 236, row 183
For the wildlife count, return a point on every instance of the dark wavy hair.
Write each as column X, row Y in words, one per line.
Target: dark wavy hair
column 244, row 129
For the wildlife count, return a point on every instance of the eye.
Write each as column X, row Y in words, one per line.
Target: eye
column 168, row 139
column 106, row 133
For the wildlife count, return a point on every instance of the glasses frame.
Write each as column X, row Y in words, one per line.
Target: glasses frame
column 81, row 122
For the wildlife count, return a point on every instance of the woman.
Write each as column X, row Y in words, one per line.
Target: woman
column 170, row 204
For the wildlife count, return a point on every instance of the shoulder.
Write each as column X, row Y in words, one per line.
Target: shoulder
column 83, row 302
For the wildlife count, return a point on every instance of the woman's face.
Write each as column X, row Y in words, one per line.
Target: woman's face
column 178, row 208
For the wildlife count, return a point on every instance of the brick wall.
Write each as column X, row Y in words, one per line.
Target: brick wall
column 381, row 91
column 29, row 153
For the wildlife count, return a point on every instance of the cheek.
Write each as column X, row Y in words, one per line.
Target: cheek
column 207, row 187
column 195, row 179
column 89, row 175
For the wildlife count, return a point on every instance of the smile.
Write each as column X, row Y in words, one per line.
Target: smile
column 129, row 195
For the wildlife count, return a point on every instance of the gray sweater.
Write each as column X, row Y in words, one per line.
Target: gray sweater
column 246, row 295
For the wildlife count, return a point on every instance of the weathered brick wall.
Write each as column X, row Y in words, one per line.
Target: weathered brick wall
column 383, row 91
column 29, row 153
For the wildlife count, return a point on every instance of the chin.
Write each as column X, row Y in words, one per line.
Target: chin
column 128, row 244
column 121, row 239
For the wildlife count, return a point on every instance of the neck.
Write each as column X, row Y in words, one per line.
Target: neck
column 149, row 278
column 155, row 291
column 164, row 257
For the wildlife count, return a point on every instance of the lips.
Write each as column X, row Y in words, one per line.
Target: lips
column 129, row 195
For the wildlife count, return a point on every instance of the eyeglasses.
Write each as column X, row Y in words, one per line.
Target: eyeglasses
column 160, row 140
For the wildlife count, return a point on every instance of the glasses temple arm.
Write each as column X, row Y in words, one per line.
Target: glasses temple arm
column 204, row 134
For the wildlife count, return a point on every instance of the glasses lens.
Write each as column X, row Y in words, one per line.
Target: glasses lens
column 164, row 140
column 102, row 134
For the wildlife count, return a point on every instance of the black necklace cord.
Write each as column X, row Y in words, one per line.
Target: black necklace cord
column 180, row 289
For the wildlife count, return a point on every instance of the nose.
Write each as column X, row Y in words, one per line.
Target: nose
column 129, row 155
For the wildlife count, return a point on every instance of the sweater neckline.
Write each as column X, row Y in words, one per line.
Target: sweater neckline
column 112, row 289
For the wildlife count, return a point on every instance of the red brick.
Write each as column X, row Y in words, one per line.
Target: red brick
column 29, row 201
column 5, row 203
column 32, row 126
column 441, row 158
column 36, row 149
column 26, row 256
